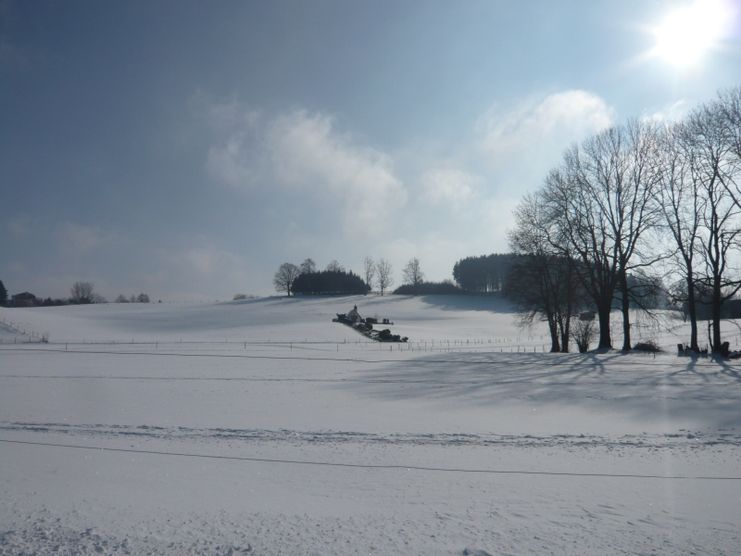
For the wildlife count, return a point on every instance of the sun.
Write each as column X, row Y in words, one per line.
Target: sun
column 688, row 34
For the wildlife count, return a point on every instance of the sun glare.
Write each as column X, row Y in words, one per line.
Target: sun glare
column 686, row 35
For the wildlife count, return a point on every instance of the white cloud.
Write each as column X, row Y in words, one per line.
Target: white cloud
column 564, row 117
column 308, row 152
column 464, row 193
column 523, row 142
column 232, row 161
column 450, row 186
column 672, row 112
column 209, row 260
column 304, row 153
column 78, row 238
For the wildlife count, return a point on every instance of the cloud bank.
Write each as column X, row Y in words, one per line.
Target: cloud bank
column 449, row 206
column 305, row 153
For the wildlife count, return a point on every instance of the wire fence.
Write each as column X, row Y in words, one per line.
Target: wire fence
column 21, row 333
column 383, row 466
column 501, row 345
column 641, row 328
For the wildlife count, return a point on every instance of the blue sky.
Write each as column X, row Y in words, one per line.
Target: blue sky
column 187, row 149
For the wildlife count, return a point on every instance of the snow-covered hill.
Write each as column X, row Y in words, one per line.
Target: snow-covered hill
column 458, row 320
column 261, row 427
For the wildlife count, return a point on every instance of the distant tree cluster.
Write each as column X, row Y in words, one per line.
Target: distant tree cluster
column 429, row 288
column 330, row 282
column 484, row 274
column 81, row 293
column 141, row 298
column 334, row 279
column 306, row 279
column 378, row 273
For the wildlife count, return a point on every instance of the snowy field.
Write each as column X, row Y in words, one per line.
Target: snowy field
column 260, row 427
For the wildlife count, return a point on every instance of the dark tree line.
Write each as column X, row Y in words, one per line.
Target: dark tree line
column 330, row 282
column 484, row 274
column 429, row 288
column 306, row 279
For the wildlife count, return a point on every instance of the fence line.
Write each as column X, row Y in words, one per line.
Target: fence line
column 400, row 467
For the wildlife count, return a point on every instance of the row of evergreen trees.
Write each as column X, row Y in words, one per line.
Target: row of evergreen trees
column 330, row 282
column 484, row 274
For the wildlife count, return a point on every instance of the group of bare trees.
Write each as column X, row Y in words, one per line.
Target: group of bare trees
column 635, row 199
column 378, row 273
column 82, row 293
column 141, row 298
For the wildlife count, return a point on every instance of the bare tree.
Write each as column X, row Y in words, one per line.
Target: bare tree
column 308, row 266
column 636, row 212
column 543, row 281
column 412, row 272
column 603, row 198
column 582, row 331
column 370, row 271
column 729, row 105
column 719, row 232
column 682, row 205
column 334, row 266
column 284, row 278
column 122, row 298
column 82, row 292
column 383, row 270
column 583, row 231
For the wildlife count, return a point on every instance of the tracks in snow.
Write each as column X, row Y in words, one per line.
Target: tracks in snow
column 680, row 440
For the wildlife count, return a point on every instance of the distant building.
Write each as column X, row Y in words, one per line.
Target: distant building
column 24, row 299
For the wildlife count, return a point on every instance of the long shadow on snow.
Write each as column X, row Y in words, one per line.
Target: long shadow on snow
column 640, row 386
column 469, row 302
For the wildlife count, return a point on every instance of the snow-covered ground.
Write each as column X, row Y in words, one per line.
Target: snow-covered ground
column 261, row 427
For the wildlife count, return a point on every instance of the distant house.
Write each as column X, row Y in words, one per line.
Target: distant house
column 24, row 299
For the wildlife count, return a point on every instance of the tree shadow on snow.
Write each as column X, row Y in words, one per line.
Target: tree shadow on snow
column 470, row 302
column 641, row 386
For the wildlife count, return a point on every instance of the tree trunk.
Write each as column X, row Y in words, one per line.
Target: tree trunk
column 625, row 308
column 553, row 329
column 564, row 326
column 692, row 311
column 603, row 310
column 717, row 348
